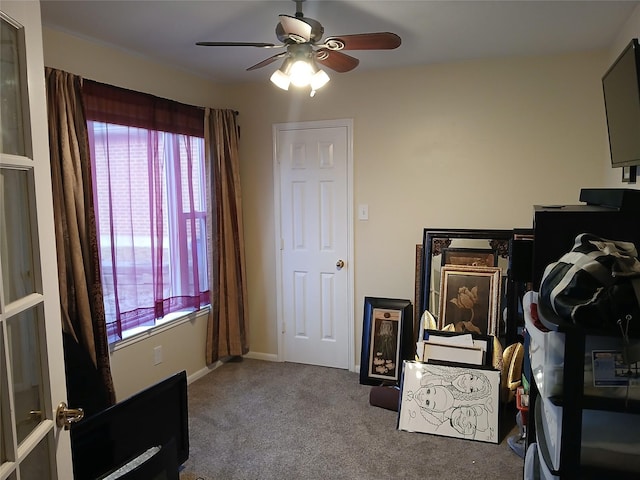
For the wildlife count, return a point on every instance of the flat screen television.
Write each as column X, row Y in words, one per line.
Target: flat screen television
column 621, row 85
column 156, row 416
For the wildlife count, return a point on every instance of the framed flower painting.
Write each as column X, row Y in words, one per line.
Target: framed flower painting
column 470, row 299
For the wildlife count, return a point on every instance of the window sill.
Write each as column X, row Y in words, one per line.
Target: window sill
column 167, row 323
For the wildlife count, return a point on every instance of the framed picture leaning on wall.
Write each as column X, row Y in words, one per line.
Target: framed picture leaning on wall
column 450, row 400
column 387, row 340
column 470, row 299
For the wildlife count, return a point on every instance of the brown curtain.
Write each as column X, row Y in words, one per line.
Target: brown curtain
column 227, row 330
column 81, row 300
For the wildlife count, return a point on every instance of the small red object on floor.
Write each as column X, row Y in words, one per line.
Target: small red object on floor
column 522, row 403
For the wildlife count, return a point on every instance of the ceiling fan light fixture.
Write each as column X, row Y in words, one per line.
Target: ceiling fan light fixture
column 301, row 72
column 280, row 79
column 319, row 80
column 301, row 37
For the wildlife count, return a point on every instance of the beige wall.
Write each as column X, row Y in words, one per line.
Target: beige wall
column 102, row 64
column 468, row 145
column 182, row 347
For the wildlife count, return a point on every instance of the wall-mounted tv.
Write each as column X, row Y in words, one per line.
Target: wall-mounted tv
column 621, row 86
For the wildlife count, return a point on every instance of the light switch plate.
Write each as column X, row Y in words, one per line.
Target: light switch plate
column 363, row 212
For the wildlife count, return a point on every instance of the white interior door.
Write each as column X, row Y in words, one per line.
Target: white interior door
column 32, row 381
column 314, row 209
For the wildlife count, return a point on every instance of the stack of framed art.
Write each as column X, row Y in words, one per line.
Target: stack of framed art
column 455, row 258
column 444, row 346
column 441, row 396
column 445, row 374
column 452, row 388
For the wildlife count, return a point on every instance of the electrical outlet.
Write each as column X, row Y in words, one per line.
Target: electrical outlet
column 157, row 355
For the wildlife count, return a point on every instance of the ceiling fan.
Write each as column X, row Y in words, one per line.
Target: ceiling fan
column 301, row 37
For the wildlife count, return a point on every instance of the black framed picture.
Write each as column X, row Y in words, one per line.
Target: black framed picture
column 387, row 340
column 436, row 240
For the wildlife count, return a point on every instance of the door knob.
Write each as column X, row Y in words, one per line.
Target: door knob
column 340, row 264
column 66, row 416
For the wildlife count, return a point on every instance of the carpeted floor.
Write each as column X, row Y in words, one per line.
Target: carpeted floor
column 265, row 421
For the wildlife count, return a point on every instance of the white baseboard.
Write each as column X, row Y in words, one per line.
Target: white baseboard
column 203, row 371
column 269, row 357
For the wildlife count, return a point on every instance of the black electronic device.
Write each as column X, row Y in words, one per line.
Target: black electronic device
column 623, row 199
column 621, row 87
column 156, row 416
column 521, row 256
column 156, row 463
column 555, row 230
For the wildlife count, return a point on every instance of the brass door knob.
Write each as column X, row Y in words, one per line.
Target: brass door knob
column 66, row 416
column 340, row 264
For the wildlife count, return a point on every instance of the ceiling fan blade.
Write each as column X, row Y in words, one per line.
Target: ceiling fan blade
column 237, row 44
column 340, row 62
column 295, row 28
column 364, row 41
column 267, row 61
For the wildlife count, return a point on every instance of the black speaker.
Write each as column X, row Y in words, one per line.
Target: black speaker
column 622, row 199
column 522, row 259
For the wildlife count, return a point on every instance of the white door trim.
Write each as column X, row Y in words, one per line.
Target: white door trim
column 277, row 128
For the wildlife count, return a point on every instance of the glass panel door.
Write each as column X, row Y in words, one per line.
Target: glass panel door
column 23, row 340
column 16, row 236
column 11, row 107
column 32, row 381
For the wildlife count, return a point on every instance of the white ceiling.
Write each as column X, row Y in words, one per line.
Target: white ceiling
column 431, row 31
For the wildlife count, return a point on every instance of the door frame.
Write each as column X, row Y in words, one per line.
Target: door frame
column 277, row 128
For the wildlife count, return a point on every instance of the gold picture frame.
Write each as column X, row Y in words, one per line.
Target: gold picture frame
column 470, row 299
column 476, row 257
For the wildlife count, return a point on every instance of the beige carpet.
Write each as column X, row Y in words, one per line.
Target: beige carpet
column 266, row 421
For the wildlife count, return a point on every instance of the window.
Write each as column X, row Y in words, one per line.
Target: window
column 150, row 206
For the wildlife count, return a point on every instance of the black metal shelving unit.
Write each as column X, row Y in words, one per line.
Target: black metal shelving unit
column 574, row 401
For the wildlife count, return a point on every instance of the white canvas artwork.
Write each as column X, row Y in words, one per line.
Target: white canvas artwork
column 451, row 401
